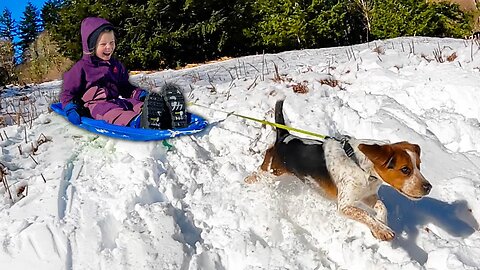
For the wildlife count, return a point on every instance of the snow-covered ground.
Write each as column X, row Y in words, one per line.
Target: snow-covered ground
column 113, row 204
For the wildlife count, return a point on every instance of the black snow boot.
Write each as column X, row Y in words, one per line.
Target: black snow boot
column 165, row 110
column 153, row 112
column 175, row 102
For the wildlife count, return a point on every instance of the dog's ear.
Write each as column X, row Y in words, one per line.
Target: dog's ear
column 410, row 146
column 380, row 155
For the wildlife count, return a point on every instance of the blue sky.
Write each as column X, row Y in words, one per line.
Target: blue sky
column 18, row 6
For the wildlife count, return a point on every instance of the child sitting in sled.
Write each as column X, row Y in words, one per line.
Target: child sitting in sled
column 97, row 86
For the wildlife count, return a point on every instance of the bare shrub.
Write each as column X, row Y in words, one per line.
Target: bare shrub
column 44, row 63
column 277, row 77
column 22, row 109
column 424, row 56
column 452, row 57
column 41, row 140
column 3, row 179
column 300, row 88
column 330, row 82
column 437, row 53
column 379, row 50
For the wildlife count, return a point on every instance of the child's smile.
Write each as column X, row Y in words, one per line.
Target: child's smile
column 105, row 46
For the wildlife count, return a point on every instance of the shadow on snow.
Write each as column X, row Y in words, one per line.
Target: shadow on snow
column 407, row 217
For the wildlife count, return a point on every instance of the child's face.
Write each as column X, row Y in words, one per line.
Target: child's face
column 105, row 45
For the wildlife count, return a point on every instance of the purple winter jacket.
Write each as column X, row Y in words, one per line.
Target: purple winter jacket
column 91, row 71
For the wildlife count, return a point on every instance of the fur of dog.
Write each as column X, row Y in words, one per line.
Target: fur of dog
column 352, row 180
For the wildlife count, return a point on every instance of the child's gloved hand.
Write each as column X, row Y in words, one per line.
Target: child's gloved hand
column 72, row 113
column 140, row 94
column 143, row 94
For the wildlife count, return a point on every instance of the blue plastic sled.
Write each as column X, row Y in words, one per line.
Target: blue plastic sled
column 196, row 124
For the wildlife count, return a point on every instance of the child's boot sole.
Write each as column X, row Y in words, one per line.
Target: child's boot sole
column 154, row 111
column 175, row 102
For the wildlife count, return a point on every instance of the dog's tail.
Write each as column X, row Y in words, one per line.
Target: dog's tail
column 279, row 119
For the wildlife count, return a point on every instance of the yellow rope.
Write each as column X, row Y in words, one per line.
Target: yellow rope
column 261, row 121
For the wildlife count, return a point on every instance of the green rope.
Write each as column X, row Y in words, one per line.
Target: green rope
column 262, row 121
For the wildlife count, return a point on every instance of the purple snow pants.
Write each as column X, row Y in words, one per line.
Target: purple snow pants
column 116, row 111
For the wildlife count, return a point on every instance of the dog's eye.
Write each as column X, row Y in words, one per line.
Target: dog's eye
column 405, row 170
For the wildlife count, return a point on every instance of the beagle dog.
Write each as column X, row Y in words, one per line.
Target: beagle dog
column 349, row 171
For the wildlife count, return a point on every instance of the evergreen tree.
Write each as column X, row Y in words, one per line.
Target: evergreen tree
column 335, row 23
column 160, row 33
column 394, row 18
column 49, row 13
column 7, row 62
column 67, row 31
column 29, row 29
column 7, row 25
column 281, row 24
column 288, row 24
column 155, row 34
column 217, row 27
column 7, row 48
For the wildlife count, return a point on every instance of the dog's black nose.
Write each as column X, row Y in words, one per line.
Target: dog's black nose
column 427, row 187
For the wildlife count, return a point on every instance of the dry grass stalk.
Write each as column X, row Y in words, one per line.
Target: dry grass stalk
column 452, row 57
column 254, row 83
column 379, row 50
column 22, row 188
column 300, row 88
column 24, row 98
column 3, row 178
column 437, row 53
column 279, row 78
column 276, row 76
column 263, row 67
column 351, row 54
column 41, row 140
column 21, row 109
column 147, row 83
column 18, row 118
column 212, row 88
column 3, row 121
column 33, row 159
column 330, row 82
column 424, row 56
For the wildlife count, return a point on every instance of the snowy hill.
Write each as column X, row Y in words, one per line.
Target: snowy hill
column 112, row 204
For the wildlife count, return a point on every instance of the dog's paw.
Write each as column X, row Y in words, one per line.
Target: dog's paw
column 383, row 233
column 381, row 211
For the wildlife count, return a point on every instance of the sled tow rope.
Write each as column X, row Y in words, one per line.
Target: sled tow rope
column 261, row 121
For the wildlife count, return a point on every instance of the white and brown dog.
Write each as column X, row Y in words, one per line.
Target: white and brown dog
column 349, row 171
